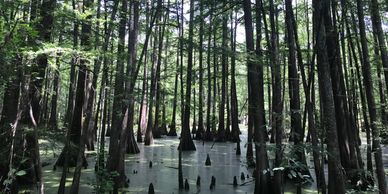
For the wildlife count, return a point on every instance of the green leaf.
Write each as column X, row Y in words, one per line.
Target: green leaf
column 279, row 168
column 20, row 173
column 293, row 173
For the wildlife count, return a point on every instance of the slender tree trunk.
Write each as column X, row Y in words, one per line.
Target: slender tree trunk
column 309, row 91
column 78, row 131
column 270, row 76
column 143, row 105
column 53, row 124
column 172, row 131
column 70, row 101
column 44, row 94
column 235, row 132
column 132, row 147
column 262, row 179
column 221, row 133
column 362, row 94
column 120, row 113
column 163, row 127
column 62, row 184
column 293, row 77
column 215, row 74
column 9, row 115
column 187, row 143
column 38, row 70
column 209, row 134
column 143, row 119
column 88, row 123
column 76, row 121
column 158, row 87
column 277, row 108
column 339, row 90
column 181, row 65
column 383, row 101
column 200, row 130
column 194, row 92
column 94, row 130
column 368, row 83
column 336, row 180
column 378, row 30
column 149, row 136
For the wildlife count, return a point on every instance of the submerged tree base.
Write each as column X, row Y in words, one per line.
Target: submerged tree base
column 187, row 145
column 72, row 159
column 172, row 133
column 132, row 147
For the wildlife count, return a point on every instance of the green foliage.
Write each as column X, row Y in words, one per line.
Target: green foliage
column 104, row 182
column 11, row 177
column 20, row 173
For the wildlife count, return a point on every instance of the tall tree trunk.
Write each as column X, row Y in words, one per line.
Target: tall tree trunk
column 158, row 86
column 368, row 83
column 255, row 115
column 383, row 101
column 378, row 29
column 362, row 92
column 120, row 113
column 339, row 90
column 336, row 180
column 96, row 71
column 215, row 74
column 38, row 70
column 200, row 129
column 293, row 78
column 182, row 96
column 194, row 105
column 149, row 136
column 74, row 62
column 353, row 130
column 78, row 132
column 235, row 132
column 9, row 116
column 132, row 146
column 270, row 76
column 187, row 143
column 221, row 133
column 76, row 154
column 143, row 106
column 53, row 124
column 77, row 114
column 209, row 134
column 95, row 125
column 143, row 118
column 163, row 127
column 172, row 131
column 309, row 91
column 277, row 108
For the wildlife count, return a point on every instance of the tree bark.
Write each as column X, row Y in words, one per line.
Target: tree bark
column 209, row 134
column 221, row 133
column 200, row 130
column 368, row 83
column 172, row 131
column 187, row 143
column 235, row 132
column 336, row 180
column 378, row 29
column 277, row 108
column 262, row 183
